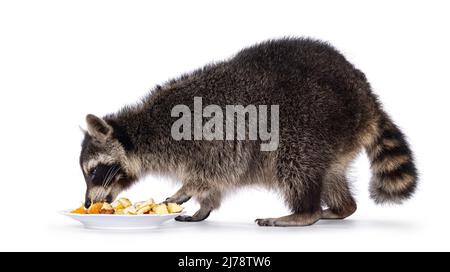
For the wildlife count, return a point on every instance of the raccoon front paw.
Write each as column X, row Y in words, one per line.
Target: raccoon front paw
column 265, row 221
column 200, row 215
column 188, row 218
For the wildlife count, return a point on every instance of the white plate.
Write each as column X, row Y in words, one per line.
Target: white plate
column 121, row 222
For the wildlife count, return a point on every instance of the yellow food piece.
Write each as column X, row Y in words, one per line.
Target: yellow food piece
column 80, row 210
column 117, row 206
column 174, row 208
column 106, row 209
column 107, row 206
column 119, row 212
column 144, row 209
column 125, row 202
column 121, row 204
column 160, row 209
column 129, row 210
column 95, row 208
column 142, row 204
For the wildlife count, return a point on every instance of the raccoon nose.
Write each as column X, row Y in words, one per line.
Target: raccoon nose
column 87, row 203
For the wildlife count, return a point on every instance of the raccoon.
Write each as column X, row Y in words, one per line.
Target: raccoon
column 327, row 115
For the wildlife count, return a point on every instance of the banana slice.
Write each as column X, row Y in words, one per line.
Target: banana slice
column 142, row 204
column 143, row 210
column 121, row 204
column 174, row 208
column 160, row 209
column 125, row 202
column 129, row 210
column 117, row 206
column 119, row 212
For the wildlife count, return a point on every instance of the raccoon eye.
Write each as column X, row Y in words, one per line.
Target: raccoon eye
column 93, row 172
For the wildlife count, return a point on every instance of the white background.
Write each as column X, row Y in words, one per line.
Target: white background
column 60, row 60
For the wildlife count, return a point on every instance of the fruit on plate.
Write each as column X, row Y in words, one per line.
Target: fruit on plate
column 123, row 206
column 143, row 210
column 130, row 210
column 80, row 210
column 142, row 204
column 119, row 212
column 107, row 209
column 174, row 208
column 95, row 208
column 121, row 203
column 160, row 209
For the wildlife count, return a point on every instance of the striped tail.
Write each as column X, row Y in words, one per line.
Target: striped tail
column 394, row 175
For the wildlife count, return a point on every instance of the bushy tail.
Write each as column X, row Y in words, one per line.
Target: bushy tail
column 394, row 175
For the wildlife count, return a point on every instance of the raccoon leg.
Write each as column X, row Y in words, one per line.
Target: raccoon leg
column 208, row 202
column 303, row 197
column 337, row 197
column 180, row 197
column 336, row 193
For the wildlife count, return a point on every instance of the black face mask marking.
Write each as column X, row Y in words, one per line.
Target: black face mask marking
column 103, row 173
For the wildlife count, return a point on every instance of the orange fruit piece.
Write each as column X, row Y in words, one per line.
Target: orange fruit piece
column 106, row 211
column 80, row 210
column 95, row 208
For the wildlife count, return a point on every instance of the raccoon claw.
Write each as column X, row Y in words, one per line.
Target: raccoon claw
column 169, row 200
column 178, row 201
column 265, row 222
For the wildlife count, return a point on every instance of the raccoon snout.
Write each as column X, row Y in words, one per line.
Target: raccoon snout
column 88, row 201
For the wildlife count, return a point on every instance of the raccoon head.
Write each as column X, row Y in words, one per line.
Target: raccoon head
column 106, row 167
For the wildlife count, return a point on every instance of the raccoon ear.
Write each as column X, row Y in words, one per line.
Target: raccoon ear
column 82, row 130
column 97, row 127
